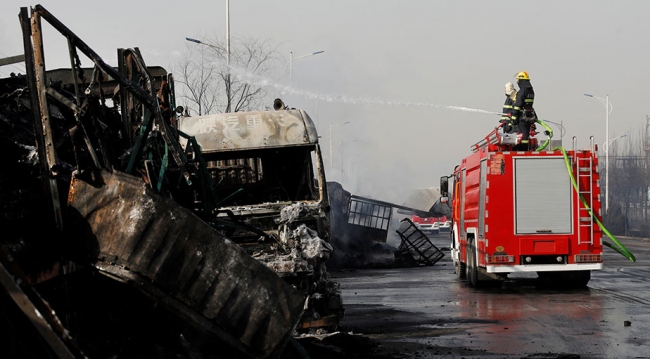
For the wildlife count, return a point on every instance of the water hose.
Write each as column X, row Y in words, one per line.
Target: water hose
column 620, row 248
column 548, row 132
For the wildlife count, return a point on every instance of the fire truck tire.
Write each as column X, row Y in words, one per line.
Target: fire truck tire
column 461, row 269
column 472, row 268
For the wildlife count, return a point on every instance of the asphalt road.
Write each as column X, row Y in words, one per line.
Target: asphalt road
column 427, row 312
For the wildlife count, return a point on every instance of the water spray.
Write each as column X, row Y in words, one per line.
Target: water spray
column 251, row 79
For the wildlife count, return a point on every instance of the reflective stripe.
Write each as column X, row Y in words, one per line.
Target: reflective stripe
column 517, row 108
column 529, row 100
column 507, row 106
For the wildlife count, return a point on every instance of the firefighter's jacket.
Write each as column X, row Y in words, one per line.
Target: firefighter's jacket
column 525, row 99
column 508, row 112
column 523, row 108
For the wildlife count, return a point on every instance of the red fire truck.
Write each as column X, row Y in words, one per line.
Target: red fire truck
column 525, row 211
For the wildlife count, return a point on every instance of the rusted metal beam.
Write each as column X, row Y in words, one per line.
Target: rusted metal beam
column 77, row 111
column 137, row 91
column 12, row 60
column 125, row 112
column 173, row 146
column 148, row 99
column 64, row 100
column 42, row 128
column 76, row 106
column 41, row 90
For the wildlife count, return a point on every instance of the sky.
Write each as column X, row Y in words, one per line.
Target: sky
column 382, row 56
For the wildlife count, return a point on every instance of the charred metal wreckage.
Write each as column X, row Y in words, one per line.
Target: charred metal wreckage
column 221, row 220
column 416, row 246
column 360, row 230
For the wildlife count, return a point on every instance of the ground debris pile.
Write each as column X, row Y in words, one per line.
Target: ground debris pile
column 346, row 345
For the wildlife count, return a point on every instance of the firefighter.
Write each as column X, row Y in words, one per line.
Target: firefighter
column 508, row 108
column 523, row 111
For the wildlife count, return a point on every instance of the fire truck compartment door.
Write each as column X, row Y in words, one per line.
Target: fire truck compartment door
column 481, row 199
column 462, row 203
column 543, row 196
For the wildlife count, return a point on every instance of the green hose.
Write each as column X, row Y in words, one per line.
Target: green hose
column 549, row 134
column 620, row 248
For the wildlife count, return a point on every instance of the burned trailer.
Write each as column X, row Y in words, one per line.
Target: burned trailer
column 99, row 186
column 272, row 198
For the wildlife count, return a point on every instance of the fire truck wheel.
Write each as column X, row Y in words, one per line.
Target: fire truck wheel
column 472, row 269
column 461, row 269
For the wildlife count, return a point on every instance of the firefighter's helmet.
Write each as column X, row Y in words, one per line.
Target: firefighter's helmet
column 523, row 75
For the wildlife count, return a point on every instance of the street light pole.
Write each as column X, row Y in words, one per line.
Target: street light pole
column 202, row 43
column 606, row 144
column 608, row 110
column 292, row 60
column 606, row 149
column 228, row 54
column 331, row 159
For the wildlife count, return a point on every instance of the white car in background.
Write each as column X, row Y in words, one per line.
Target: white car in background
column 428, row 225
column 445, row 226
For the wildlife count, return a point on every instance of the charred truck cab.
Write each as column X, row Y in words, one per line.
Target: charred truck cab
column 519, row 211
column 267, row 172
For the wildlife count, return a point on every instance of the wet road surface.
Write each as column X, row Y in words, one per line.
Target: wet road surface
column 427, row 312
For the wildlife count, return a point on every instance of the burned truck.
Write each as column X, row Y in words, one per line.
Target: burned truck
column 116, row 229
column 269, row 177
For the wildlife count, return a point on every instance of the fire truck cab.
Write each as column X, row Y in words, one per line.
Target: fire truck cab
column 525, row 211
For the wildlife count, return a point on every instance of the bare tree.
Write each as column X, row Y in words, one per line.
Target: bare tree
column 199, row 90
column 208, row 80
column 629, row 185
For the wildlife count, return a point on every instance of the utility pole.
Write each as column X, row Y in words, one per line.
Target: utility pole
column 291, row 61
column 228, row 84
column 608, row 110
column 646, row 148
column 607, row 155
